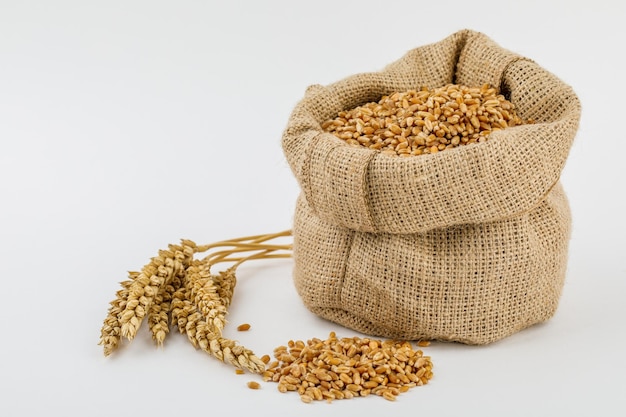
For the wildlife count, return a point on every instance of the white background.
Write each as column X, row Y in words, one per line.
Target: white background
column 128, row 125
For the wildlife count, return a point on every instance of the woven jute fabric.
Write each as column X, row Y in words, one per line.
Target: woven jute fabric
column 467, row 245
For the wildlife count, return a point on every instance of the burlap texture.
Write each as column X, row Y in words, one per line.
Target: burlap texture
column 469, row 244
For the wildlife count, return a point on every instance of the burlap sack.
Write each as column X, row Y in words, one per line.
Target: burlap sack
column 465, row 245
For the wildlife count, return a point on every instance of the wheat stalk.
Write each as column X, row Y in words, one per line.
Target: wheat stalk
column 110, row 335
column 158, row 315
column 175, row 288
